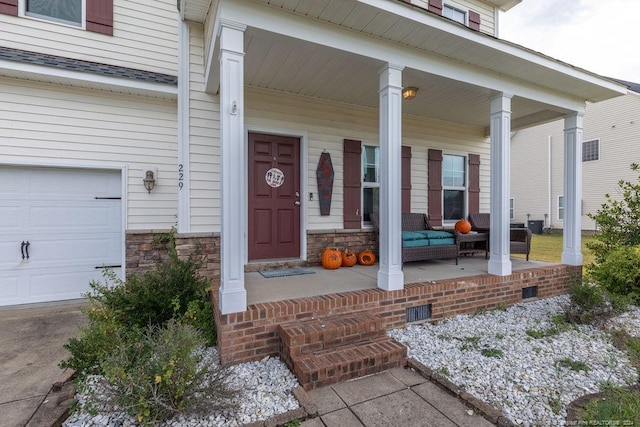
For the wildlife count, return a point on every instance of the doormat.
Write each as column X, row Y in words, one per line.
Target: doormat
column 285, row 272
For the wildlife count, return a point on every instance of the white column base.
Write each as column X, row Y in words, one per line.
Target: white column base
column 391, row 280
column 572, row 258
column 499, row 267
column 233, row 300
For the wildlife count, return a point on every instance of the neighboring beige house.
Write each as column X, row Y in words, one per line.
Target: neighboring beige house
column 226, row 107
column 611, row 142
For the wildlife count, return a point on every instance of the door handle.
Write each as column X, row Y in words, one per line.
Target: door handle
column 26, row 248
column 22, row 248
column 297, row 203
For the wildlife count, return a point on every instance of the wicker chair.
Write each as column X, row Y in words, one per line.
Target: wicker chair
column 519, row 239
column 420, row 222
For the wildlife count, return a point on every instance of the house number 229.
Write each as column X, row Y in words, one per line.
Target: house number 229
column 180, row 176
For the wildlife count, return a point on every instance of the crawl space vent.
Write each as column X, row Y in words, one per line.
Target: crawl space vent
column 416, row 314
column 530, row 292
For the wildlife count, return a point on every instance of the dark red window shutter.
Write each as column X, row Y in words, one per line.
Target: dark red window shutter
column 435, row 6
column 474, row 183
column 406, row 179
column 474, row 20
column 435, row 187
column 9, row 7
column 352, row 209
column 100, row 16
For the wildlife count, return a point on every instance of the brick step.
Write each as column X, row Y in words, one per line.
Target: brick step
column 334, row 365
column 326, row 332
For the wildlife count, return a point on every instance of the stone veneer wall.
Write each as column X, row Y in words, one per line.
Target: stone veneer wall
column 142, row 253
column 251, row 335
column 354, row 240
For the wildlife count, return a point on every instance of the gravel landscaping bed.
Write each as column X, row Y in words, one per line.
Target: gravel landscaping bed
column 266, row 388
column 520, row 360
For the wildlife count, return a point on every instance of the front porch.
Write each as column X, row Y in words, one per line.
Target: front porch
column 358, row 278
column 439, row 288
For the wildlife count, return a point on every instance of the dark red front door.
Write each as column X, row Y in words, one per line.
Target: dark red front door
column 274, row 197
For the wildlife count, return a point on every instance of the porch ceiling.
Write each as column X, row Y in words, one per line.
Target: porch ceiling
column 333, row 50
column 294, row 66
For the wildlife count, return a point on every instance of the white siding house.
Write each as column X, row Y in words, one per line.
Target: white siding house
column 611, row 142
column 218, row 97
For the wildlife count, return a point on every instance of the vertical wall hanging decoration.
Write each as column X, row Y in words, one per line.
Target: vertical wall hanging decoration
column 324, row 175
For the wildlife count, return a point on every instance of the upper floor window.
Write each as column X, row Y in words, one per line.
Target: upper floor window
column 370, row 181
column 454, row 14
column 68, row 12
column 454, row 187
column 591, row 150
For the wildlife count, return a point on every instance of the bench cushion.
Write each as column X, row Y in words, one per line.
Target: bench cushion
column 412, row 235
column 435, row 234
column 415, row 243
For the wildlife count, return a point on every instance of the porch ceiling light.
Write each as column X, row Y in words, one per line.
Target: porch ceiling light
column 409, row 92
column 149, row 181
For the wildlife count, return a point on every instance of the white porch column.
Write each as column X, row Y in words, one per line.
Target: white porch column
column 500, row 128
column 390, row 275
column 184, row 183
column 233, row 295
column 572, row 251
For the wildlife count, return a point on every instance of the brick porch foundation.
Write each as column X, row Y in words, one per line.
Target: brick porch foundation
column 251, row 335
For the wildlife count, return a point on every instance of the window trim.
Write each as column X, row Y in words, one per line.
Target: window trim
column 465, row 188
column 563, row 207
column 22, row 12
column 598, row 151
column 369, row 184
column 456, row 9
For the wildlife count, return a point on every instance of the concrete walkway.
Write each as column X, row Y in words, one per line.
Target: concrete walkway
column 31, row 346
column 399, row 397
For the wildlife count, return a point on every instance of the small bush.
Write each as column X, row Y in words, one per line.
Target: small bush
column 619, row 272
column 162, row 374
column 588, row 303
column 119, row 311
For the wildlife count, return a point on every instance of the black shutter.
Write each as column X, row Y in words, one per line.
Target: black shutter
column 474, row 183
column 435, row 187
column 406, row 179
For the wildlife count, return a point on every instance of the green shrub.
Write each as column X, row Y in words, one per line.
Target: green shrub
column 156, row 296
column 618, row 220
column 162, row 374
column 120, row 311
column 588, row 303
column 619, row 272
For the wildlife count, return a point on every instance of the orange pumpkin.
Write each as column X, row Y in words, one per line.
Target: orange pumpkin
column 463, row 226
column 331, row 258
column 366, row 258
column 349, row 258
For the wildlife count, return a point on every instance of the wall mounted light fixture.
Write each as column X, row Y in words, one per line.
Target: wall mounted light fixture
column 409, row 92
column 149, row 181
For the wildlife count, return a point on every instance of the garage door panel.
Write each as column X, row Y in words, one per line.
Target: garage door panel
column 49, row 183
column 58, row 286
column 74, row 250
column 78, row 217
column 70, row 232
column 10, row 289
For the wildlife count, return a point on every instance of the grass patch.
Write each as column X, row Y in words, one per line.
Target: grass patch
column 548, row 247
column 574, row 365
column 492, row 352
column 619, row 406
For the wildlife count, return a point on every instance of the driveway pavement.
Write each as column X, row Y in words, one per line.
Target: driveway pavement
column 31, row 346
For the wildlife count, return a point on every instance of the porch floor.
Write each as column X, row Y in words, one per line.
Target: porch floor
column 324, row 282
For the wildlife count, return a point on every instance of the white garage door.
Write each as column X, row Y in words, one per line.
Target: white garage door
column 58, row 229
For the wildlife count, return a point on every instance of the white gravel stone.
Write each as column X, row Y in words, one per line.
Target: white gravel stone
column 266, row 390
column 527, row 382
